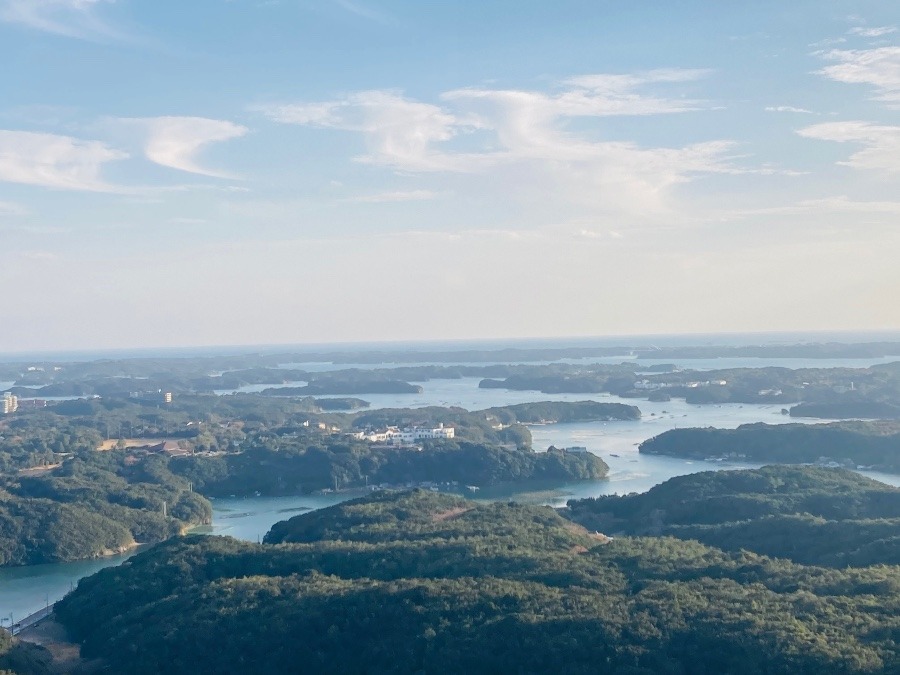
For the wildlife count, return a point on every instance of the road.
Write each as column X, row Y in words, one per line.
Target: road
column 32, row 619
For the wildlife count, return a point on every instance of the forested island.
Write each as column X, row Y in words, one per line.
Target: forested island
column 93, row 505
column 817, row 392
column 297, row 468
column 815, row 516
column 874, row 444
column 249, row 364
column 69, row 492
column 421, row 582
column 822, row 392
column 342, row 386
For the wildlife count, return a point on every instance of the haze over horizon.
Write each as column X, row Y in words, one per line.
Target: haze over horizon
column 294, row 172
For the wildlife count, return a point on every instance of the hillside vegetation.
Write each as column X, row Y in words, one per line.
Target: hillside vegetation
column 61, row 499
column 875, row 444
column 419, row 582
column 829, row 517
column 93, row 506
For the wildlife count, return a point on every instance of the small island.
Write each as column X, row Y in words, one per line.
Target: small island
column 874, row 444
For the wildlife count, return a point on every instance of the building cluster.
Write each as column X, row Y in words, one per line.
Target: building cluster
column 407, row 436
column 321, row 426
column 158, row 396
column 648, row 385
column 10, row 403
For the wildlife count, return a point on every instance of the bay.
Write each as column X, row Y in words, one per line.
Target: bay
column 27, row 589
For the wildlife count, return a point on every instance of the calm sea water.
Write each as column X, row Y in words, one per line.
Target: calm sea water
column 25, row 590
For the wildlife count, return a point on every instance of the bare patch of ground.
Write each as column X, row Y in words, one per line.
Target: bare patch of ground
column 113, row 443
column 598, row 536
column 450, row 513
column 66, row 654
column 38, row 470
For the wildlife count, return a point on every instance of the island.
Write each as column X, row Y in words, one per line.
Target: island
column 817, row 392
column 74, row 484
column 425, row 582
column 811, row 515
column 873, row 444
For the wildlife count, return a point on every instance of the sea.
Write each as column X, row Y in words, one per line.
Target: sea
column 24, row 590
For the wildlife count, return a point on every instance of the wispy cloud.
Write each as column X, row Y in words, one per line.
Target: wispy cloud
column 71, row 18
column 874, row 32
column 526, row 132
column 404, row 133
column 788, row 109
column 399, row 132
column 844, row 203
column 881, row 143
column 176, row 142
column 878, row 67
column 599, row 95
column 819, row 207
column 399, row 196
column 827, row 42
column 587, row 233
column 55, row 161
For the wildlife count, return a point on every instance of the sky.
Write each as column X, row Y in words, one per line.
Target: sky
column 227, row 172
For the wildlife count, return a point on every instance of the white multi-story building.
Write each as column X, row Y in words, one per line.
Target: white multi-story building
column 439, row 432
column 10, row 403
column 408, row 436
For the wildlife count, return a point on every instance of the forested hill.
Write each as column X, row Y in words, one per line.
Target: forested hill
column 561, row 411
column 295, row 467
column 872, row 443
column 23, row 658
column 66, row 494
column 418, row 582
column 830, row 517
column 92, row 506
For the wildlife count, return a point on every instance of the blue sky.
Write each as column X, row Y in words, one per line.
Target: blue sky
column 287, row 171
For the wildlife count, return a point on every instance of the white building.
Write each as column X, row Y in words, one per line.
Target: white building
column 10, row 403
column 439, row 432
column 406, row 436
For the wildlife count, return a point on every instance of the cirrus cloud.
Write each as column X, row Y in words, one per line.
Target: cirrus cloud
column 879, row 68
column 70, row 18
column 399, row 132
column 873, row 32
column 55, row 161
column 516, row 134
column 881, row 143
column 175, row 142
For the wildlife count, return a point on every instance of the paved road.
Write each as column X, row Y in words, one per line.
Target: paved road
column 32, row 619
